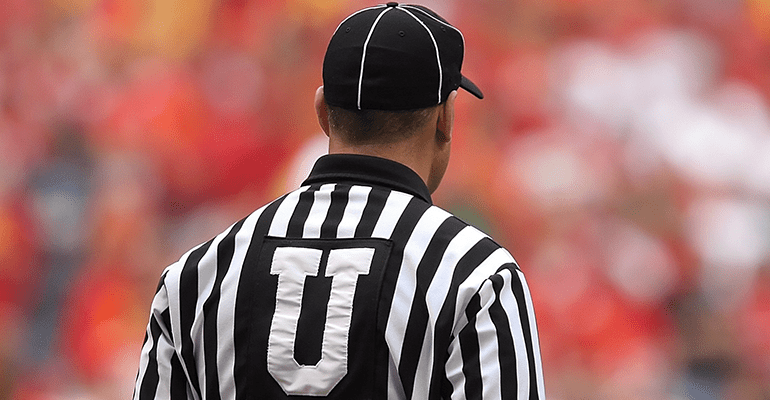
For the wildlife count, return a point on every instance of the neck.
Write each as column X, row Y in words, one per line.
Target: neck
column 415, row 152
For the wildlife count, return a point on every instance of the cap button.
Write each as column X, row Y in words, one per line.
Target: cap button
column 392, row 4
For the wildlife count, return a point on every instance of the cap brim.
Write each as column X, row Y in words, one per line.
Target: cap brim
column 471, row 87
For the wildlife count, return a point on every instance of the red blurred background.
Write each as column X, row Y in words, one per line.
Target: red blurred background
column 622, row 154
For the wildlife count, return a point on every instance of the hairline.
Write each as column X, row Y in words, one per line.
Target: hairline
column 387, row 126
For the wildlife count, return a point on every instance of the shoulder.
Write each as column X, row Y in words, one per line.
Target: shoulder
column 199, row 263
column 463, row 241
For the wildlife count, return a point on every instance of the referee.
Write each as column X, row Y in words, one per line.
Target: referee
column 355, row 286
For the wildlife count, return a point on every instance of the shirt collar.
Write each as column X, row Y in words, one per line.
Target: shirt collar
column 356, row 168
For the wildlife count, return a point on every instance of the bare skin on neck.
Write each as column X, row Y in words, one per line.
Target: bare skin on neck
column 426, row 151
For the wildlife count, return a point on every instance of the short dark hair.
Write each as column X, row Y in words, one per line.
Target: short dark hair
column 376, row 126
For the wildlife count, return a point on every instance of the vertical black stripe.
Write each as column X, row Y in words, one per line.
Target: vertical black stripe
column 310, row 325
column 403, row 229
column 161, row 282
column 339, row 199
column 188, row 297
column 375, row 203
column 243, row 374
column 144, row 342
column 418, row 316
column 225, row 250
column 469, row 349
column 506, row 348
column 178, row 381
column 372, row 211
column 150, row 379
column 518, row 292
column 165, row 320
column 445, row 321
column 300, row 214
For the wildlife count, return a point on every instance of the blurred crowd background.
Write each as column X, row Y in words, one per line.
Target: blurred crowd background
column 622, row 154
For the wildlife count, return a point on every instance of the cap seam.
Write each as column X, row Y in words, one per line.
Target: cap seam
column 437, row 20
column 363, row 53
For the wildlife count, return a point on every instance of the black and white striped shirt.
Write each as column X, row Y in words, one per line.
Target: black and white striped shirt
column 353, row 286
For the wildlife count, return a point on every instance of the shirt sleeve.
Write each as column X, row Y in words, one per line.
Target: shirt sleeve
column 495, row 353
column 160, row 375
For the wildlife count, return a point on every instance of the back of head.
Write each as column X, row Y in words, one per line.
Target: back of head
column 366, row 127
column 386, row 70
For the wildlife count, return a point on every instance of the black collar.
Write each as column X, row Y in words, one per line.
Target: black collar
column 355, row 168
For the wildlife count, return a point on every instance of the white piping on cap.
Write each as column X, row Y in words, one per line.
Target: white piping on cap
column 363, row 54
column 435, row 46
column 436, row 19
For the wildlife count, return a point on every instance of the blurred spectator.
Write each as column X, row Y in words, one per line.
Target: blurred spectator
column 60, row 199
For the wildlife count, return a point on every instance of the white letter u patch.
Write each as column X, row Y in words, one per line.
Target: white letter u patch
column 292, row 265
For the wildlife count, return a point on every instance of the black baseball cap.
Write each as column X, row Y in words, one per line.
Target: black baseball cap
column 394, row 57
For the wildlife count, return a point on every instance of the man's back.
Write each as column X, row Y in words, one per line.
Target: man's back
column 355, row 286
column 352, row 287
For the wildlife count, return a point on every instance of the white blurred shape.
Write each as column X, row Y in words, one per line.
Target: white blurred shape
column 707, row 146
column 614, row 86
column 758, row 174
column 720, row 141
column 730, row 232
column 556, row 171
column 567, row 269
column 674, row 64
column 747, row 112
column 733, row 238
column 638, row 263
column 594, row 81
column 642, row 375
column 304, row 160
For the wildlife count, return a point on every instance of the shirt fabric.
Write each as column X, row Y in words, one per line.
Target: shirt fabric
column 354, row 286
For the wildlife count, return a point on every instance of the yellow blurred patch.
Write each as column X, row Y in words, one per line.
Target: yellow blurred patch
column 174, row 28
column 759, row 14
column 71, row 7
column 315, row 12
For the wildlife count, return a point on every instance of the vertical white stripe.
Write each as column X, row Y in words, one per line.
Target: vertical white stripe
column 424, row 371
column 470, row 285
column 322, row 199
column 398, row 315
column 435, row 298
column 226, row 311
column 354, row 210
column 164, row 355
column 435, row 47
column 163, row 348
column 283, row 214
column 508, row 300
column 173, row 276
column 391, row 213
column 395, row 388
column 207, row 272
column 363, row 54
column 489, row 351
column 534, row 335
column 439, row 287
column 144, row 361
column 414, row 250
column 454, row 369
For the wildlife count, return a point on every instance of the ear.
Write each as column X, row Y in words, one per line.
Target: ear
column 321, row 111
column 446, row 118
